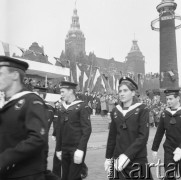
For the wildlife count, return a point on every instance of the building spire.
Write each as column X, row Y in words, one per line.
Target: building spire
column 75, row 3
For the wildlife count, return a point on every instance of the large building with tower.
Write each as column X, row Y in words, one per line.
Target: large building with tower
column 75, row 55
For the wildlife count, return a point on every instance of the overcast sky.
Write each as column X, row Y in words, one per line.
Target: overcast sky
column 108, row 25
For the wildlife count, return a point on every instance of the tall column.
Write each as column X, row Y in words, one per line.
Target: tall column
column 168, row 49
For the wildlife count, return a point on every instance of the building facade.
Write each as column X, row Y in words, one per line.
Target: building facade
column 110, row 70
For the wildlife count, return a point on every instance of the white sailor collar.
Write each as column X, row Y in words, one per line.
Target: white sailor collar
column 72, row 103
column 18, row 95
column 173, row 112
column 124, row 112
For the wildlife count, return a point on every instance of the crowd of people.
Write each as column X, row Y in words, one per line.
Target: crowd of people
column 25, row 120
column 30, row 83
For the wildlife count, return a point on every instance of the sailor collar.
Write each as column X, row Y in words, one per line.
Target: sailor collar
column 72, row 103
column 173, row 112
column 18, row 95
column 124, row 112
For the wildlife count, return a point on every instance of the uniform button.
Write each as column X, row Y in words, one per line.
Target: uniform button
column 13, row 165
column 7, row 168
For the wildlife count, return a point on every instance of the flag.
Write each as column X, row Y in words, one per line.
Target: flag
column 51, row 60
column 78, row 73
column 96, row 76
column 85, row 78
column 117, row 85
column 162, row 76
column 142, row 80
column 103, row 84
column 22, row 50
column 71, row 77
column 1, row 49
column 113, row 82
column 57, row 60
column 6, row 48
column 14, row 51
column 172, row 75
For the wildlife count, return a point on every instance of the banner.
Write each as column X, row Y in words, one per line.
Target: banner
column 85, row 78
column 96, row 77
column 78, row 73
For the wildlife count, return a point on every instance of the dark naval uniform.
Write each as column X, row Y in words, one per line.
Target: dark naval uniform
column 50, row 114
column 73, row 132
column 23, row 139
column 128, row 135
column 170, row 125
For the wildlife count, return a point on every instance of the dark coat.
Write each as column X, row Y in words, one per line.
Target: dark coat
column 128, row 134
column 170, row 125
column 24, row 137
column 73, row 127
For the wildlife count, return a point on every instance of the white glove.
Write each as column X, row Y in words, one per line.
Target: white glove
column 59, row 155
column 78, row 156
column 154, row 154
column 177, row 154
column 53, row 138
column 122, row 162
column 107, row 165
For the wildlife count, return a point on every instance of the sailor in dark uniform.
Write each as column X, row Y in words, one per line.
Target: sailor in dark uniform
column 126, row 150
column 50, row 109
column 23, row 125
column 170, row 125
column 73, row 132
column 41, row 91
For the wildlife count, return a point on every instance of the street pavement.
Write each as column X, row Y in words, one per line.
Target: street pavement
column 96, row 154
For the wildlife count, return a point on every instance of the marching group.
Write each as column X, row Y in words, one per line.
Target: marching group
column 25, row 119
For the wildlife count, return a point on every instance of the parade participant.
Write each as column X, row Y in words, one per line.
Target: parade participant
column 50, row 110
column 56, row 169
column 73, row 132
column 170, row 124
column 41, row 91
column 128, row 134
column 23, row 125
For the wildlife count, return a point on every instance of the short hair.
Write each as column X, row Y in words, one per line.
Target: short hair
column 20, row 72
column 130, row 85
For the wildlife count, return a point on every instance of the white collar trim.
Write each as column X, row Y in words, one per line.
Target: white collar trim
column 173, row 112
column 73, row 103
column 18, row 95
column 124, row 112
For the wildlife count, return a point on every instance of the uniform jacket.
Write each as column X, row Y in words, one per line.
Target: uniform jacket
column 170, row 125
column 50, row 114
column 128, row 132
column 23, row 135
column 73, row 126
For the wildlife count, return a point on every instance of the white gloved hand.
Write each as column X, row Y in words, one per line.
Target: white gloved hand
column 78, row 156
column 154, row 154
column 59, row 155
column 176, row 157
column 122, row 162
column 177, row 154
column 53, row 138
column 177, row 151
column 107, row 165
